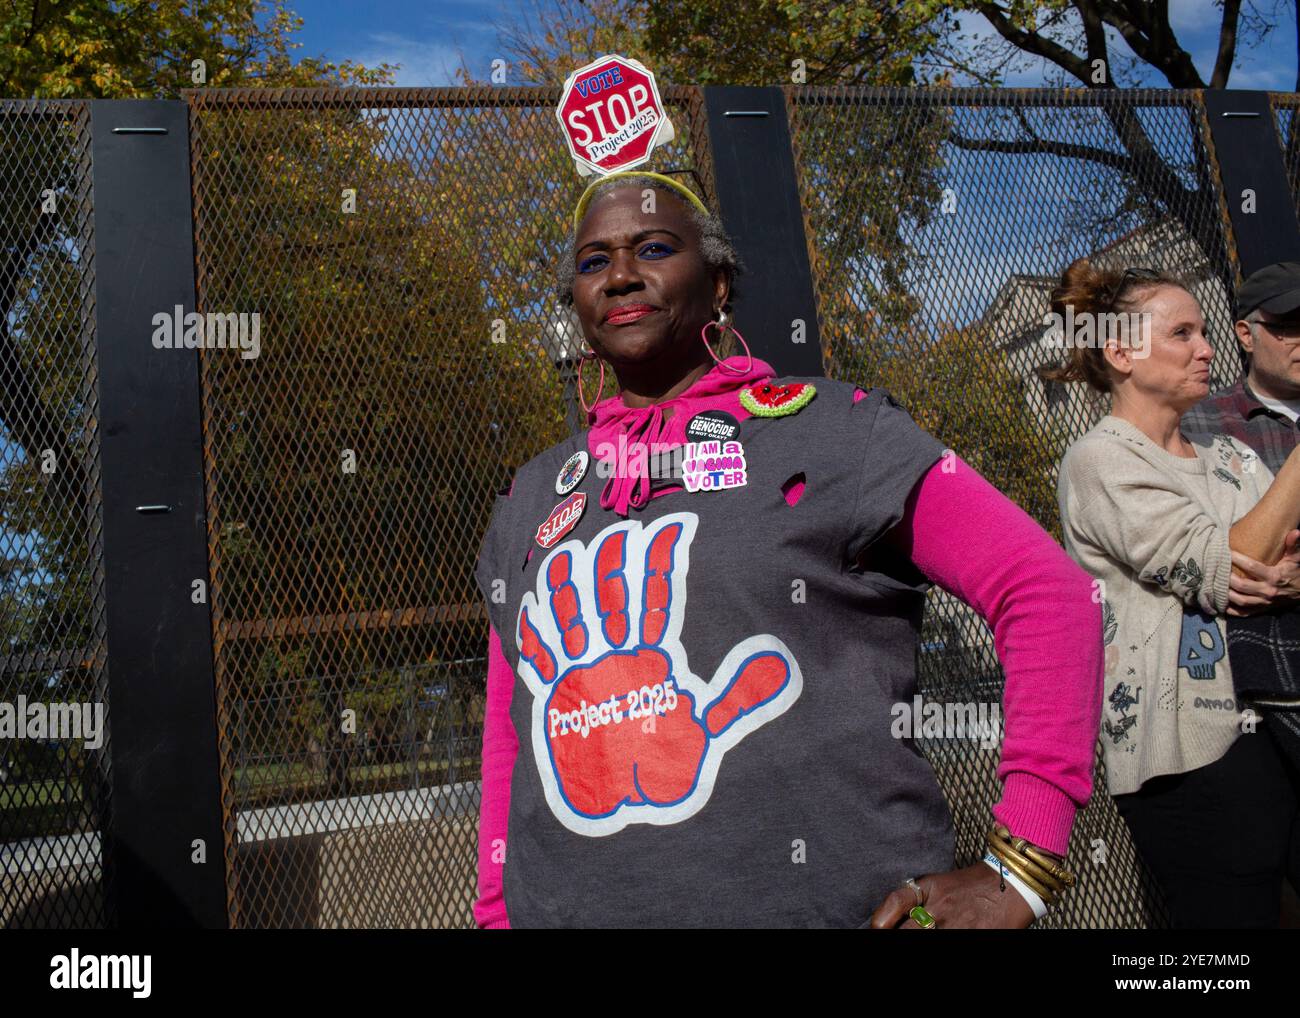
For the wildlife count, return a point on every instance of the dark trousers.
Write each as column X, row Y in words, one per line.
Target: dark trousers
column 1219, row 840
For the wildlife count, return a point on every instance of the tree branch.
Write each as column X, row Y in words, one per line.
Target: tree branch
column 1032, row 42
column 1146, row 30
column 828, row 65
column 1139, row 161
column 35, row 23
column 1046, row 146
column 1094, row 34
column 1227, row 44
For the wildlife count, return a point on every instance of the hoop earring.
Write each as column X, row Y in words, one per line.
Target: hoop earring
column 723, row 323
column 590, row 355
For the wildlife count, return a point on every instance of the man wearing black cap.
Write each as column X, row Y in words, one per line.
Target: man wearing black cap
column 1262, row 407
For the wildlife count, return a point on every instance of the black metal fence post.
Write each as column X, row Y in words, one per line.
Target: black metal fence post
column 1260, row 204
column 758, row 193
column 167, row 793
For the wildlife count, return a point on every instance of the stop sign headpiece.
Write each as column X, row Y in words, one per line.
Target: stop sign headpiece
column 612, row 115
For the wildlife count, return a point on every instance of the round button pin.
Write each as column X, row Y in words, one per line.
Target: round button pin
column 572, row 473
column 712, row 426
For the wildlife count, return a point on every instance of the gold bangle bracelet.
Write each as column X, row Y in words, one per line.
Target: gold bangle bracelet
column 1034, row 883
column 1022, row 869
column 1035, row 857
column 1021, row 866
column 1038, row 857
column 1051, row 865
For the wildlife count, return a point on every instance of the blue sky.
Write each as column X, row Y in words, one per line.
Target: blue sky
column 426, row 38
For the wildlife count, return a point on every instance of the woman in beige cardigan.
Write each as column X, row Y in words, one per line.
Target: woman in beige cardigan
column 1177, row 535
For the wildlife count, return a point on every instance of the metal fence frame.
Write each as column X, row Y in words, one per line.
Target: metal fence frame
column 170, row 834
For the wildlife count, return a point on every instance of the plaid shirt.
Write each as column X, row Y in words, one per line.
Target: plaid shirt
column 1260, row 647
column 1237, row 411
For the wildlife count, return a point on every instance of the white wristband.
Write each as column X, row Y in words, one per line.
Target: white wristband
column 1032, row 899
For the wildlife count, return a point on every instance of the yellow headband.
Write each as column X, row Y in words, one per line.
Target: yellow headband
column 588, row 194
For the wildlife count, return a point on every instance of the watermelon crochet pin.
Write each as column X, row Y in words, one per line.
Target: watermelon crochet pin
column 766, row 399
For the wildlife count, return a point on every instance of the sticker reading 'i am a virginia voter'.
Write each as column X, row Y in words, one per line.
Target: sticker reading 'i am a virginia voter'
column 713, row 466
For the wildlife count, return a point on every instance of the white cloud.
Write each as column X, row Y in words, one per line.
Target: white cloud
column 424, row 63
column 1263, row 75
column 1191, row 16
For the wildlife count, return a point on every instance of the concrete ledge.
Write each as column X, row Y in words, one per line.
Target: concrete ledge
column 403, row 859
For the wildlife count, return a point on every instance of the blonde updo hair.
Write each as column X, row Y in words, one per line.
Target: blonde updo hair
column 1088, row 289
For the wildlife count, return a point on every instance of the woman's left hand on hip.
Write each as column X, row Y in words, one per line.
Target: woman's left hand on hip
column 969, row 898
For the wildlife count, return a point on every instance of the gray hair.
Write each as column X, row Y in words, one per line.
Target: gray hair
column 716, row 247
column 1242, row 352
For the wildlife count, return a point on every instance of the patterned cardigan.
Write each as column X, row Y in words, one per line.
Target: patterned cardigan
column 1152, row 530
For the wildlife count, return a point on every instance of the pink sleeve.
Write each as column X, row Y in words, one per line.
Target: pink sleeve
column 977, row 544
column 500, row 747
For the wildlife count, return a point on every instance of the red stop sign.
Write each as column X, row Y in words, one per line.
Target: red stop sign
column 611, row 114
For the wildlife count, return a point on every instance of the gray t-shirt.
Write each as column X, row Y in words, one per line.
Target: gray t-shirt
column 703, row 690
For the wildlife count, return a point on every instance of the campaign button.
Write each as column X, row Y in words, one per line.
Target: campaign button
column 564, row 517
column 572, row 473
column 712, row 426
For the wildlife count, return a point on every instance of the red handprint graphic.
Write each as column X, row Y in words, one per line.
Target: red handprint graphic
column 623, row 731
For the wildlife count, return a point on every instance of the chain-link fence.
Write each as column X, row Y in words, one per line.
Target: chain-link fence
column 397, row 246
column 1285, row 107
column 55, row 775
column 938, row 223
column 394, row 252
